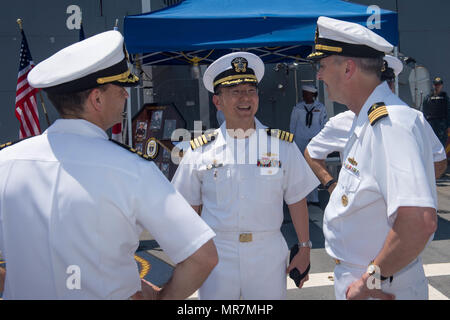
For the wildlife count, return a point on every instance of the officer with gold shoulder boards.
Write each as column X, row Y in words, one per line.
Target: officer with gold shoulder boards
column 333, row 137
column 74, row 203
column 239, row 175
column 382, row 212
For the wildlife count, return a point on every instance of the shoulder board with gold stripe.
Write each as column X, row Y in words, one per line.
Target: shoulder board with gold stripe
column 4, row 145
column 203, row 140
column 280, row 134
column 140, row 154
column 376, row 112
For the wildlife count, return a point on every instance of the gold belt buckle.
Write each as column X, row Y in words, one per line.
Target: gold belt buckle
column 337, row 261
column 245, row 237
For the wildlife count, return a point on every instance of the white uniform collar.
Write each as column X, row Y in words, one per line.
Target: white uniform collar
column 380, row 94
column 221, row 137
column 77, row 126
column 303, row 103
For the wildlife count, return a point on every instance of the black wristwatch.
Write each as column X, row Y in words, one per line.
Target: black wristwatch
column 328, row 184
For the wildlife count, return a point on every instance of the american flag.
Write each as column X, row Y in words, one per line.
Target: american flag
column 26, row 106
column 116, row 132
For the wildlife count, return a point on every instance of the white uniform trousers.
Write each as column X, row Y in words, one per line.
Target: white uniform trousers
column 254, row 270
column 408, row 284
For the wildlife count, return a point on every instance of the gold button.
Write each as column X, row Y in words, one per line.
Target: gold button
column 245, row 237
column 344, row 200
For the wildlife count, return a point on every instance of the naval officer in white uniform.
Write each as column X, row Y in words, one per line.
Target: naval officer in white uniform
column 382, row 212
column 73, row 203
column 334, row 135
column 239, row 175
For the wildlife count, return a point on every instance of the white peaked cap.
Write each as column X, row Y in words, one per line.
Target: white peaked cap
column 394, row 63
column 309, row 88
column 86, row 64
column 233, row 69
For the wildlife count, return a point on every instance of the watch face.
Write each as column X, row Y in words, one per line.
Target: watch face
column 371, row 269
column 307, row 244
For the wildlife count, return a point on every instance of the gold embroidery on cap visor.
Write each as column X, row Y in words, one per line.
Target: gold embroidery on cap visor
column 236, row 79
column 123, row 78
column 328, row 48
column 315, row 54
column 323, row 48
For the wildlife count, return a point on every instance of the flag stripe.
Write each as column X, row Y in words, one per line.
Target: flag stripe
column 33, row 113
column 26, row 107
column 24, row 131
column 117, row 132
column 29, row 117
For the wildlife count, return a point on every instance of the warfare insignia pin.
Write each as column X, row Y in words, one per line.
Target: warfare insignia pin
column 352, row 161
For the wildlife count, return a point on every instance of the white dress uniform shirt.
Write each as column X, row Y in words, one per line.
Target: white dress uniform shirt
column 70, row 197
column 303, row 133
column 239, row 197
column 385, row 166
column 334, row 136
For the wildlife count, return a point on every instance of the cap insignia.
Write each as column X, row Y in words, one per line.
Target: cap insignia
column 239, row 64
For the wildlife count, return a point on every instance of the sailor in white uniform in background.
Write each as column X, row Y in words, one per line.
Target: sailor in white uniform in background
column 237, row 177
column 307, row 119
column 73, row 203
column 382, row 212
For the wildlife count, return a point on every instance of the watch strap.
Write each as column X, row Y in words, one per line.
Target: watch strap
column 382, row 278
column 329, row 183
column 306, row 244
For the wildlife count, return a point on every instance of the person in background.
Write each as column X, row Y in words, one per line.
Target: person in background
column 436, row 108
column 307, row 119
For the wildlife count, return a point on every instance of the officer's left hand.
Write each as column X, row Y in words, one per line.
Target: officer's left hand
column 359, row 290
column 301, row 262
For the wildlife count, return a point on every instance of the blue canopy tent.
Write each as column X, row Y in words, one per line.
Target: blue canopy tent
column 199, row 31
